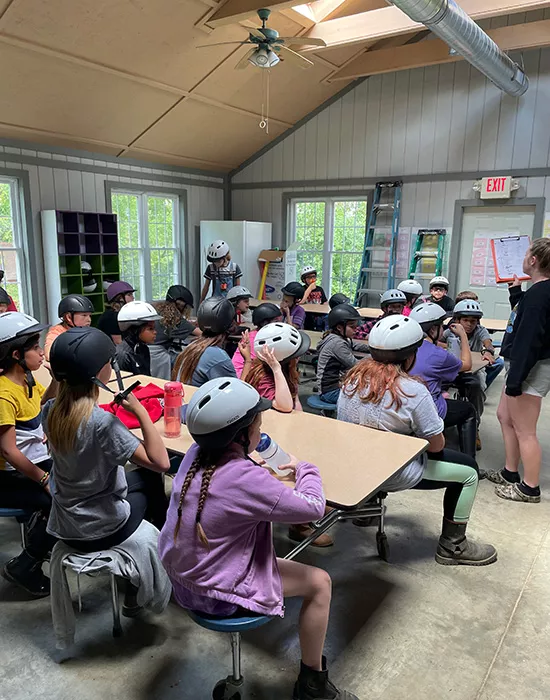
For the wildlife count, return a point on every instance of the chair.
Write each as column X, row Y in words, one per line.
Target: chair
column 317, row 403
column 22, row 517
column 231, row 688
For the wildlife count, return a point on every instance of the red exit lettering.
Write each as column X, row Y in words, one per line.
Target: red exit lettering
column 495, row 184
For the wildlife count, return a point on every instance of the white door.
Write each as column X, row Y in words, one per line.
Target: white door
column 479, row 225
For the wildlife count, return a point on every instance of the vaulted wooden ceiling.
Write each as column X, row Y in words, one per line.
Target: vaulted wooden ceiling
column 125, row 77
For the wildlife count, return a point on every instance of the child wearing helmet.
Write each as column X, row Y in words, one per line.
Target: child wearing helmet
column 380, row 393
column 221, row 271
column 25, row 463
column 174, row 330
column 436, row 366
column 118, row 294
column 240, row 298
column 313, row 294
column 136, row 321
column 336, row 350
column 96, row 504
column 73, row 310
column 392, row 302
column 338, row 298
column 413, row 291
column 261, row 316
column 439, row 290
column 217, row 544
column 293, row 312
column 5, row 301
column 206, row 358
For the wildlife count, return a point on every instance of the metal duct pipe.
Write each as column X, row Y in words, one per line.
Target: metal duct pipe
column 449, row 21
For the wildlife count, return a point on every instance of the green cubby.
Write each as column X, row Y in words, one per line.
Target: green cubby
column 71, row 238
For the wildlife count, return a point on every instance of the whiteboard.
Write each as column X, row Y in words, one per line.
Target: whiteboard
column 508, row 254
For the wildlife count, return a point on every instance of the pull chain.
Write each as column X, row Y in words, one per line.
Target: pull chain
column 264, row 122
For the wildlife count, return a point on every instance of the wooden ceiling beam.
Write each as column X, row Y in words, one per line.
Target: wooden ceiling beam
column 429, row 53
column 235, row 10
column 305, row 19
column 390, row 21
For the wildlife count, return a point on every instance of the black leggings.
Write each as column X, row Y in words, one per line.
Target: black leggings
column 462, row 414
column 18, row 491
column 147, row 501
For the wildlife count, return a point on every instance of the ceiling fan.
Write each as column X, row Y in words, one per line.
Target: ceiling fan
column 267, row 44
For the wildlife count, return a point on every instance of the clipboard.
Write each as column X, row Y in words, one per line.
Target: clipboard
column 508, row 254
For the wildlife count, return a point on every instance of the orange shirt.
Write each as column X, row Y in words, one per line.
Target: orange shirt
column 51, row 336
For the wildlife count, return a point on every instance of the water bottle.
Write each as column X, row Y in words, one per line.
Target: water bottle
column 273, row 455
column 173, row 399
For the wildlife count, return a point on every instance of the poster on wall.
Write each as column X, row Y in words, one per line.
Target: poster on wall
column 546, row 227
column 482, row 269
column 403, row 254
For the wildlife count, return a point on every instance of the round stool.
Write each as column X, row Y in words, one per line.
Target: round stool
column 317, row 403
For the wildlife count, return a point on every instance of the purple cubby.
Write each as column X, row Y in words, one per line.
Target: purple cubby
column 108, row 224
column 91, row 223
column 91, row 244
column 68, row 244
column 109, row 245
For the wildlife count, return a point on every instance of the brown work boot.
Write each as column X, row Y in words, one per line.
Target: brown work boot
column 299, row 533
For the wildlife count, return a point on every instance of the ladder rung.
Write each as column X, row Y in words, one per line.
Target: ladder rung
column 377, row 247
column 388, row 205
column 426, row 255
column 381, row 270
column 423, row 275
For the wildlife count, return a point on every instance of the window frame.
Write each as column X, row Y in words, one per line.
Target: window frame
column 291, row 199
column 179, row 199
column 21, row 242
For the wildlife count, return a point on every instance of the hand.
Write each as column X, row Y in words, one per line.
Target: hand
column 268, row 356
column 490, row 358
column 283, row 306
column 131, row 404
column 312, row 285
column 244, row 346
column 291, row 465
column 515, row 283
column 458, row 330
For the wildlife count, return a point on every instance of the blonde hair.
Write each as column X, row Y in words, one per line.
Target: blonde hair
column 188, row 359
column 540, row 249
column 72, row 407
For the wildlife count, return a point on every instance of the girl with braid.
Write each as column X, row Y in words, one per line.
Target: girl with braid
column 217, row 544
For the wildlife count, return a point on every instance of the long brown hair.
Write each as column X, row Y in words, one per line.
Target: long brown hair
column 72, row 407
column 260, row 370
column 188, row 359
column 171, row 315
column 371, row 380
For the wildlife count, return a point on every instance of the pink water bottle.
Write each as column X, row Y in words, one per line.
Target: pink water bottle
column 173, row 399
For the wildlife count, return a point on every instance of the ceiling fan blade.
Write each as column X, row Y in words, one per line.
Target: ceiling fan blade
column 243, row 63
column 224, row 43
column 302, row 40
column 295, row 58
column 256, row 32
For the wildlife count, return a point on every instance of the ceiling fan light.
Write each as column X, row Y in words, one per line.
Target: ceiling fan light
column 262, row 58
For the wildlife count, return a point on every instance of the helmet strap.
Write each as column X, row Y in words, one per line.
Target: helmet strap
column 29, row 376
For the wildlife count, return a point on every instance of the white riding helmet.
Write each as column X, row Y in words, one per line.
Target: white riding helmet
column 308, row 270
column 392, row 296
column 15, row 330
column 136, row 313
column 439, row 281
column 286, row 341
column 216, row 251
column 220, row 408
column 394, row 339
column 428, row 314
column 410, row 287
column 468, row 307
column 238, row 293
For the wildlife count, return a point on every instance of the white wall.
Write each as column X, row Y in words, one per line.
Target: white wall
column 438, row 127
column 57, row 187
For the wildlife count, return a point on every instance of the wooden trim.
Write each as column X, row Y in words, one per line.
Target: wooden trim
column 390, row 21
column 429, row 53
column 234, row 10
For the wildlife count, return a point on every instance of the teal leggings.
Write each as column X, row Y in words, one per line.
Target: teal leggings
column 457, row 474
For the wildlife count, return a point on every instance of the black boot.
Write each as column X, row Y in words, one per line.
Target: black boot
column 130, row 607
column 26, row 572
column 467, row 433
column 39, row 542
column 454, row 549
column 315, row 685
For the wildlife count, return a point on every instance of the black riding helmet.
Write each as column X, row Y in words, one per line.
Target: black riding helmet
column 336, row 299
column 78, row 354
column 343, row 313
column 265, row 313
column 215, row 315
column 178, row 291
column 293, row 289
column 75, row 303
column 4, row 297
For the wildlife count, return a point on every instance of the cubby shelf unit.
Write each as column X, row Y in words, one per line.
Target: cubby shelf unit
column 69, row 239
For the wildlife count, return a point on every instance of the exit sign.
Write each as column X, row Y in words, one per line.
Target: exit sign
column 498, row 187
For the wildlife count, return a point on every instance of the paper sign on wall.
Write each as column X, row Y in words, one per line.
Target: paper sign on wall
column 508, row 254
column 482, row 269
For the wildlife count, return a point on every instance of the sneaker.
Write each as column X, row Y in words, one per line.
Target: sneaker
column 26, row 572
column 298, row 533
column 512, row 492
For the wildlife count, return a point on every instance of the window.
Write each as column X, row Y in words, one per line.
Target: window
column 11, row 251
column 148, row 240
column 331, row 234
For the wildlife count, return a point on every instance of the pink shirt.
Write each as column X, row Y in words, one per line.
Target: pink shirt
column 238, row 359
column 266, row 388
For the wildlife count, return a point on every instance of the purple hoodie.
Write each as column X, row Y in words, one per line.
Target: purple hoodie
column 240, row 567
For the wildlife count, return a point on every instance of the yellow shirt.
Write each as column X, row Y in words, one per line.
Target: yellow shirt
column 51, row 335
column 17, row 409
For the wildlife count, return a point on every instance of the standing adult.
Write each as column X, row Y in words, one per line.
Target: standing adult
column 526, row 352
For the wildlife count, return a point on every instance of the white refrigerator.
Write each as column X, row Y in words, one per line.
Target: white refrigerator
column 246, row 240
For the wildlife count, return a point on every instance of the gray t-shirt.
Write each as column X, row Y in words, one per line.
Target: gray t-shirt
column 213, row 363
column 89, row 485
column 417, row 416
column 475, row 341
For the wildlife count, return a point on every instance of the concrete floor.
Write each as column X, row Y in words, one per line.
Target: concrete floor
column 406, row 630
